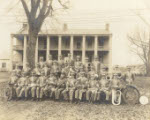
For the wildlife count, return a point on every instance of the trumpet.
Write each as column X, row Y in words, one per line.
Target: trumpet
column 116, row 96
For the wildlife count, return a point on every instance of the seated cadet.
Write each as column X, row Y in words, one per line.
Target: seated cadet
column 91, row 94
column 12, row 85
column 51, row 84
column 40, row 90
column 83, row 80
column 61, row 85
column 104, row 86
column 21, row 85
column 33, row 85
column 71, row 86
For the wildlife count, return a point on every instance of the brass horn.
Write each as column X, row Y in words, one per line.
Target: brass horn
column 116, row 97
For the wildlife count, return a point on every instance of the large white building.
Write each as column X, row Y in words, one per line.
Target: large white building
column 84, row 42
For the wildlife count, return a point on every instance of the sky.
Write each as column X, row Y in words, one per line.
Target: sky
column 85, row 14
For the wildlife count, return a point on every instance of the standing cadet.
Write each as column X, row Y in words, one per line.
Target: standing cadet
column 129, row 77
column 33, row 85
column 37, row 70
column 61, row 85
column 97, row 65
column 41, row 62
column 45, row 70
column 50, row 61
column 87, row 65
column 78, row 64
column 17, row 70
column 55, row 69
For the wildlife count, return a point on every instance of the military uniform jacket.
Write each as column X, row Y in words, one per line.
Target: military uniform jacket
column 33, row 81
column 13, row 80
column 115, row 83
column 104, row 84
column 41, row 82
column 22, row 82
column 46, row 71
column 52, row 81
column 49, row 63
column 71, row 83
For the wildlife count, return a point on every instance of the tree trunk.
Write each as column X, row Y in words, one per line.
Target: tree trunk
column 31, row 48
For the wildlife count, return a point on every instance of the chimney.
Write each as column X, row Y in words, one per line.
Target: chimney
column 65, row 27
column 107, row 26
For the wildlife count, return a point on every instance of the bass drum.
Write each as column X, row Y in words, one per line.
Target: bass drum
column 130, row 95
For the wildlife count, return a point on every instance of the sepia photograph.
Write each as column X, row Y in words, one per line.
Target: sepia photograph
column 75, row 60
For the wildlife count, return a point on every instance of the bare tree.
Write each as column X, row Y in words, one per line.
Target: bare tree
column 36, row 12
column 140, row 46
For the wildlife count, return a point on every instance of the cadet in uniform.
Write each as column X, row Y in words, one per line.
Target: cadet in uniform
column 52, row 83
column 33, row 85
column 21, row 85
column 129, row 77
column 61, row 85
column 70, row 87
column 41, row 62
column 40, row 91
column 97, row 65
column 12, row 85
column 45, row 70
column 104, row 84
column 82, row 81
column 37, row 70
column 50, row 61
column 91, row 94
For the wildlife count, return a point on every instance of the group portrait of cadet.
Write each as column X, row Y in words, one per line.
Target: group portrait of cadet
column 69, row 80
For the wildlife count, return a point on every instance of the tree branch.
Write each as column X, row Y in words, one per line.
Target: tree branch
column 26, row 9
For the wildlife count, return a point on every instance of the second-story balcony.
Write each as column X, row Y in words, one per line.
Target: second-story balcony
column 103, row 48
column 18, row 47
column 42, row 47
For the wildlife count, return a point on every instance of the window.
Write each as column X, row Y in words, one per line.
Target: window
column 3, row 65
column 101, row 43
column 78, row 44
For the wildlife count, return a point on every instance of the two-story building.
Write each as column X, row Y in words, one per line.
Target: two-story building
column 83, row 42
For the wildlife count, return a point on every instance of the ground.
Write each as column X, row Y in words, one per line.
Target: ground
column 51, row 110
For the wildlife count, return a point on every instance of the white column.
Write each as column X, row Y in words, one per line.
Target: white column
column 71, row 46
column 59, row 46
column 110, row 53
column 25, row 52
column 36, row 51
column 83, row 49
column 96, row 46
column 11, row 52
column 48, row 47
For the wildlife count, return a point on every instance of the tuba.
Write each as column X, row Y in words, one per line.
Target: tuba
column 116, row 96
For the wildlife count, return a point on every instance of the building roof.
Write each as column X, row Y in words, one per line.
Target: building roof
column 24, row 30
